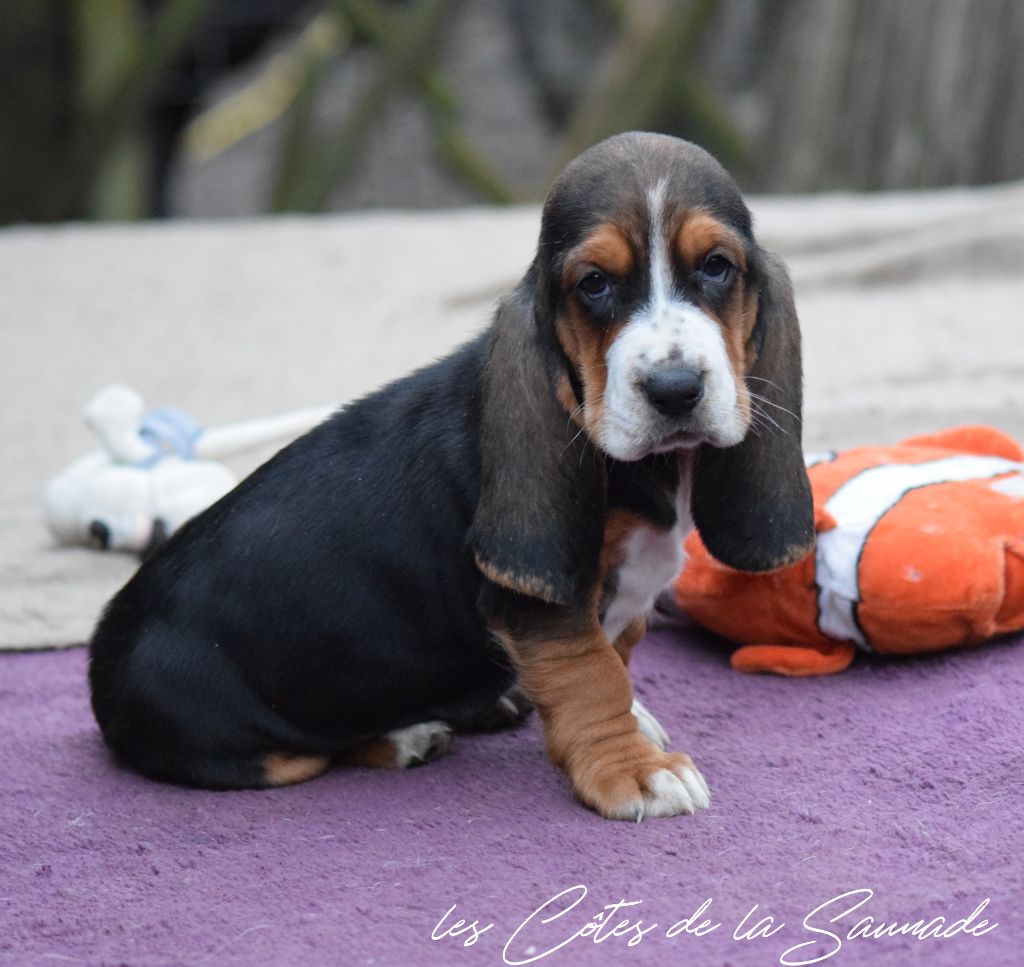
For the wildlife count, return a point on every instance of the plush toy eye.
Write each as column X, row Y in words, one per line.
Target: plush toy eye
column 717, row 270
column 594, row 286
column 99, row 534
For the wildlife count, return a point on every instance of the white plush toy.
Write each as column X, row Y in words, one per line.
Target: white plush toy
column 154, row 470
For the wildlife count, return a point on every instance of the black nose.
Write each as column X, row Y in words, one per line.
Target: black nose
column 673, row 390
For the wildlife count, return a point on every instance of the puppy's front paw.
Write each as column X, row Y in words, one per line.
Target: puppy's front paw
column 652, row 784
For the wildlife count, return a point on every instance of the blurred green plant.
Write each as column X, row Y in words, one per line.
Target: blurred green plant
column 313, row 164
column 83, row 73
column 650, row 79
column 283, row 84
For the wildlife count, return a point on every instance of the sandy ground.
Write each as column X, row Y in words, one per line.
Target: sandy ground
column 910, row 304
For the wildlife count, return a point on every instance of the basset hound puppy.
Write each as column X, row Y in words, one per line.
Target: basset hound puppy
column 491, row 531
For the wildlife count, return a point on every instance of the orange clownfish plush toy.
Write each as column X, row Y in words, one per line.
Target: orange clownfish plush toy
column 920, row 547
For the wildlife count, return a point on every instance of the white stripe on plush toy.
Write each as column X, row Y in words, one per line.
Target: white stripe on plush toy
column 857, row 506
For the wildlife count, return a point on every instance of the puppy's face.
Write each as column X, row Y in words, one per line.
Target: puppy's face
column 648, row 250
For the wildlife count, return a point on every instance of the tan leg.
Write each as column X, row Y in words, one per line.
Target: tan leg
column 624, row 645
column 284, row 769
column 375, row 754
column 628, row 638
column 403, row 748
column 582, row 692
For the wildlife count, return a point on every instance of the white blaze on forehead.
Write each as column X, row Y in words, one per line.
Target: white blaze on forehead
column 667, row 327
column 662, row 285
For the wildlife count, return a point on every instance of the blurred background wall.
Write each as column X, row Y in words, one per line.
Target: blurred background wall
column 216, row 108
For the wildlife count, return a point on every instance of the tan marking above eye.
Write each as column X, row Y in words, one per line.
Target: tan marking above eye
column 605, row 248
column 700, row 235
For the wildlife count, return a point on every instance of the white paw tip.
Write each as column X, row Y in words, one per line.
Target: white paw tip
column 421, row 743
column 649, row 726
column 668, row 795
column 697, row 787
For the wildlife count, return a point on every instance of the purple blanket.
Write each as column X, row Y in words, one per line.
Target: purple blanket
column 863, row 804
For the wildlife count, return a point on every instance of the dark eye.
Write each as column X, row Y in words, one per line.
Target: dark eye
column 594, row 286
column 717, row 270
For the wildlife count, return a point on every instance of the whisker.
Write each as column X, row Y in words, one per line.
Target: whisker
column 765, row 400
column 766, row 419
column 595, row 399
column 586, row 443
column 572, row 415
column 572, row 441
column 770, row 382
column 755, row 407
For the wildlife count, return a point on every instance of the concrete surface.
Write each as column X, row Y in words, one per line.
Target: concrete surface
column 910, row 304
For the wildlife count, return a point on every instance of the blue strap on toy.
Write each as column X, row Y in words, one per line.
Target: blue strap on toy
column 169, row 431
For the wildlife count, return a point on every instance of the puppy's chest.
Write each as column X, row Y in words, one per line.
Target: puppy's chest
column 643, row 558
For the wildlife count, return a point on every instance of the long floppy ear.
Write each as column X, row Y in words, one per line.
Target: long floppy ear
column 538, row 528
column 751, row 502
